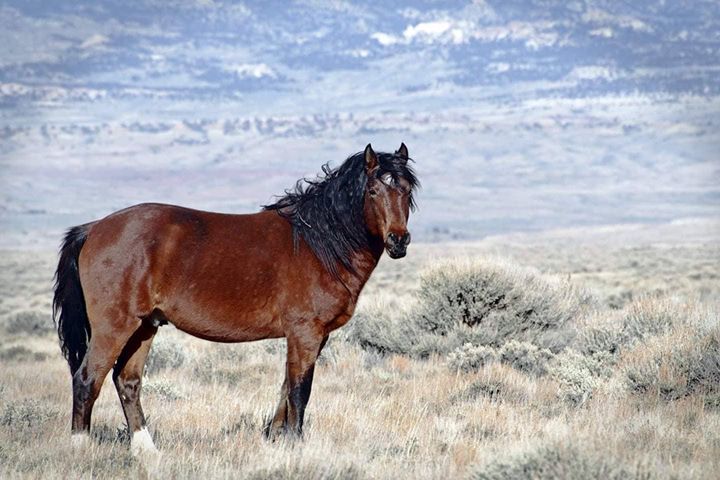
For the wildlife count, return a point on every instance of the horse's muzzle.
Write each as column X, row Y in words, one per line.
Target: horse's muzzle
column 396, row 246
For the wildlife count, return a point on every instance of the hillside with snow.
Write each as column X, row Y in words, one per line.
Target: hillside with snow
column 521, row 115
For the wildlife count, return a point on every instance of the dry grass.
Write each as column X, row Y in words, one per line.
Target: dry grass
column 387, row 416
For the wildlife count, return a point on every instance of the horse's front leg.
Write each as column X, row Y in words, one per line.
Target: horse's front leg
column 304, row 346
column 276, row 426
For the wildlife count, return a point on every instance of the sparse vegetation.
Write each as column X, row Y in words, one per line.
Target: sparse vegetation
column 165, row 353
column 470, row 358
column 163, row 388
column 573, row 389
column 526, row 357
column 523, row 356
column 556, row 461
column 20, row 353
column 19, row 415
column 30, row 322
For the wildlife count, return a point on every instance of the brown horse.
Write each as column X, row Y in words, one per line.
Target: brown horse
column 293, row 270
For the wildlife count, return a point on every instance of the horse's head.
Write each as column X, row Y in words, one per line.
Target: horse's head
column 388, row 198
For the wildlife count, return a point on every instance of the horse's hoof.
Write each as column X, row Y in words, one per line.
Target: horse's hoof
column 79, row 441
column 282, row 434
column 272, row 434
column 141, row 444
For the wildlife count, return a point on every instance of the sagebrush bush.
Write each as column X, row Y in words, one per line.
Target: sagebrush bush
column 483, row 302
column 470, row 358
column 329, row 354
column 320, row 471
column 384, row 330
column 648, row 317
column 223, row 363
column 19, row 353
column 163, row 388
column 500, row 301
column 26, row 414
column 684, row 361
column 165, row 353
column 526, row 357
column 601, row 338
column 498, row 383
column 578, row 374
column 553, row 462
column 30, row 322
column 642, row 319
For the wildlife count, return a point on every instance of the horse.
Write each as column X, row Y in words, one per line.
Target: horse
column 294, row 269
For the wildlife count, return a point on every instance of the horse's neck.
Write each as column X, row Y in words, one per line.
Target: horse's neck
column 364, row 263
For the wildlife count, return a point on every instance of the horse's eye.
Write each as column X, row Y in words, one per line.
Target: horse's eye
column 373, row 192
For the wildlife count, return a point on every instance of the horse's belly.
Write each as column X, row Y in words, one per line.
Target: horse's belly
column 227, row 326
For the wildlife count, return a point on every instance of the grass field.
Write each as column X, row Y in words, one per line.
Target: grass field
column 615, row 373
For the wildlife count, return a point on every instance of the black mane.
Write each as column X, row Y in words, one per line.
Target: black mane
column 327, row 212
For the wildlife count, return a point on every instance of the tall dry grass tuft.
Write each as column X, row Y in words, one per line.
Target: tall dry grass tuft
column 644, row 318
column 682, row 362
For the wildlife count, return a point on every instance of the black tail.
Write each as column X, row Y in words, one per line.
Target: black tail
column 69, row 302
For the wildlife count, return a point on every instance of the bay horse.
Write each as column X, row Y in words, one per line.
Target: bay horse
column 294, row 270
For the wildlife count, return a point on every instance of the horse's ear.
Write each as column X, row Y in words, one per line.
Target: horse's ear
column 403, row 152
column 371, row 160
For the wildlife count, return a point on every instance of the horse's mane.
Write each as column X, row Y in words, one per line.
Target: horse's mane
column 327, row 212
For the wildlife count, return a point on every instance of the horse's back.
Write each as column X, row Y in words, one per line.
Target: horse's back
column 208, row 273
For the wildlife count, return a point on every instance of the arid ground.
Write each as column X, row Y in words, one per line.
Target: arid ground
column 574, row 354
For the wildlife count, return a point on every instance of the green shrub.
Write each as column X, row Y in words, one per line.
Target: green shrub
column 470, row 358
column 493, row 387
column 500, row 302
column 165, row 353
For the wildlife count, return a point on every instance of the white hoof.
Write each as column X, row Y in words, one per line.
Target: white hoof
column 141, row 444
column 79, row 440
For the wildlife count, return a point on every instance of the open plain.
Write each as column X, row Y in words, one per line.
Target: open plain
column 627, row 385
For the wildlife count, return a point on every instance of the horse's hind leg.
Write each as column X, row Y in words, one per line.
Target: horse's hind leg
column 127, row 376
column 106, row 343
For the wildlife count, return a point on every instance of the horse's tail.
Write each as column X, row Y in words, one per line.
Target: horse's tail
column 69, row 311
